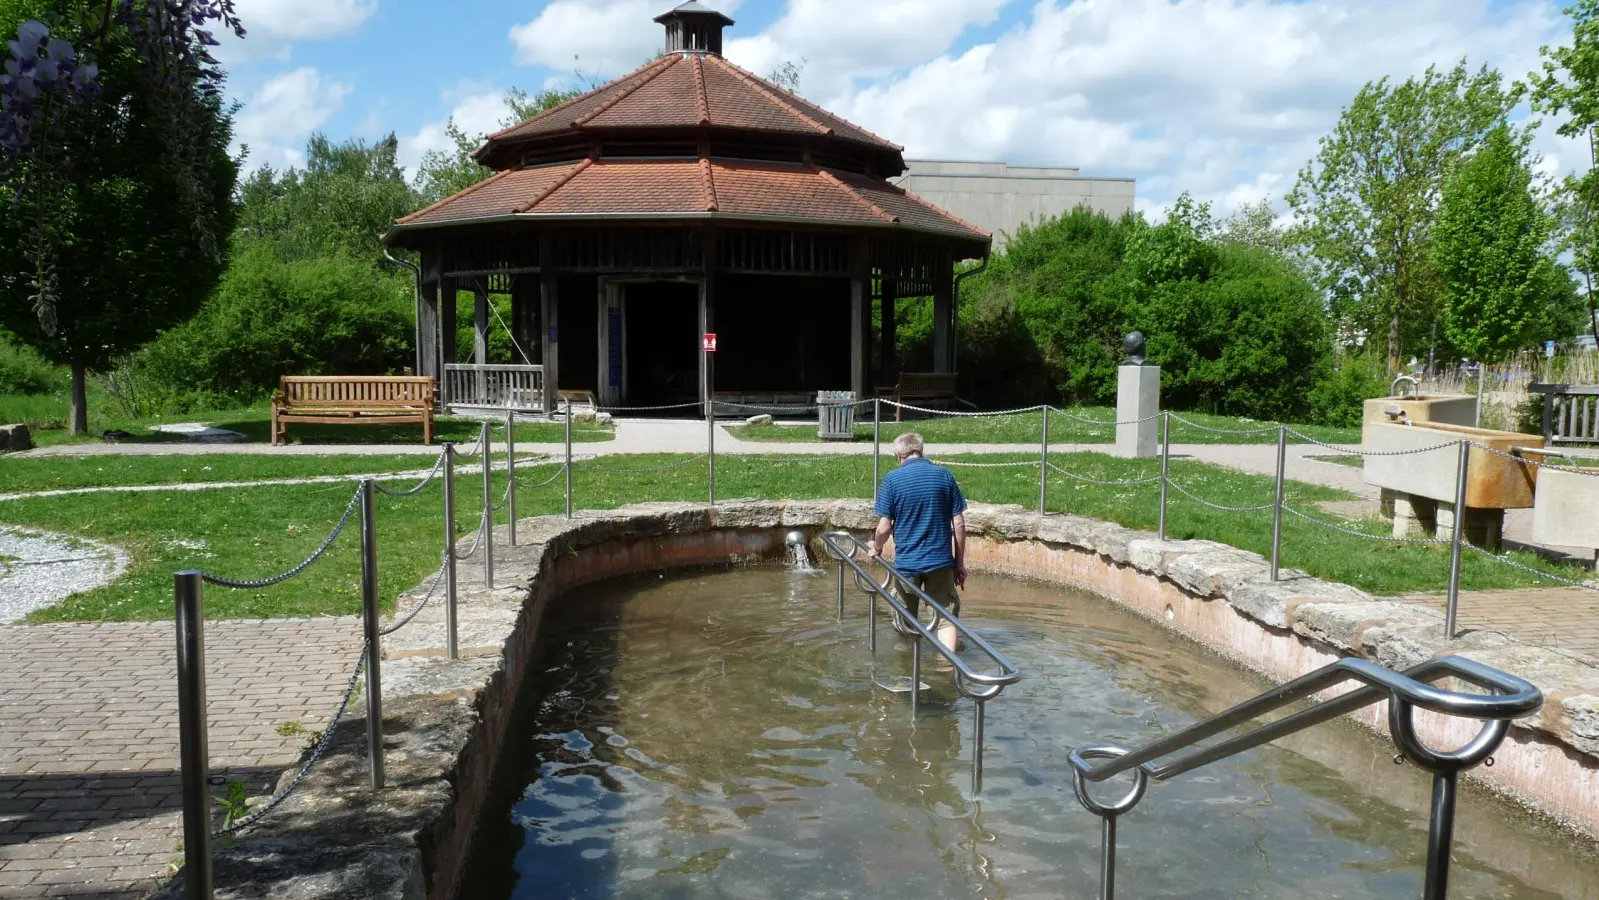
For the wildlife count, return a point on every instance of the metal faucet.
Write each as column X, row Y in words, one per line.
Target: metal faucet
column 1415, row 386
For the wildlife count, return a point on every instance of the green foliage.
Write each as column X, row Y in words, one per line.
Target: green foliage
column 451, row 170
column 346, row 197
column 1490, row 241
column 1366, row 203
column 328, row 316
column 1337, row 400
column 235, row 804
column 23, row 370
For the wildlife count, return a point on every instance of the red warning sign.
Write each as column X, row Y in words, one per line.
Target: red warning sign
column 708, row 342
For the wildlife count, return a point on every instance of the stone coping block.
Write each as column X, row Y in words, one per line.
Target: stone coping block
column 445, row 723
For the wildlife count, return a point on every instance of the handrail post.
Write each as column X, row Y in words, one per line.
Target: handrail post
column 916, row 674
column 1452, row 607
column 188, row 594
column 1107, row 861
column 510, row 472
column 369, row 616
column 877, row 440
column 710, row 451
column 841, row 590
column 1043, row 468
column 451, row 648
column 1277, row 502
column 1440, row 835
column 977, row 750
column 488, row 510
column 1165, row 463
column 569, row 459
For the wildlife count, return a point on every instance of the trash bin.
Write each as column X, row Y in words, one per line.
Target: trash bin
column 836, row 415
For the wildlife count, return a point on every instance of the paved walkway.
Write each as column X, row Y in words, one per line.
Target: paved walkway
column 89, row 775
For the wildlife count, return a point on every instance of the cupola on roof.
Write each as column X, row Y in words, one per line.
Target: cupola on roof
column 693, row 27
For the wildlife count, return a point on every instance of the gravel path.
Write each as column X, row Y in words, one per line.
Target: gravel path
column 41, row 568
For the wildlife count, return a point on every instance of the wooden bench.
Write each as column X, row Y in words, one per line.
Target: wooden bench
column 353, row 400
column 921, row 389
column 1570, row 413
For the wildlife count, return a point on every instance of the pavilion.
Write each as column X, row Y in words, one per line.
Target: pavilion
column 686, row 198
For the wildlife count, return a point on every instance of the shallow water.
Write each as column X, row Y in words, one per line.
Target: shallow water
column 717, row 734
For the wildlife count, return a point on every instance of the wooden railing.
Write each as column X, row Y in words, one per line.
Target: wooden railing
column 1570, row 413
column 470, row 386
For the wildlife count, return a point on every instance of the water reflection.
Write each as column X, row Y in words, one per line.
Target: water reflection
column 717, row 735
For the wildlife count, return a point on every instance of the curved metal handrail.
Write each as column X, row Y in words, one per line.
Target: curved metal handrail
column 843, row 547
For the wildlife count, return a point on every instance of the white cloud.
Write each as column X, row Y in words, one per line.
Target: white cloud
column 274, row 26
column 278, row 119
column 1224, row 98
column 604, row 38
column 474, row 113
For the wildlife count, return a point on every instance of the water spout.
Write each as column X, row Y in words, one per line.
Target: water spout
column 799, row 557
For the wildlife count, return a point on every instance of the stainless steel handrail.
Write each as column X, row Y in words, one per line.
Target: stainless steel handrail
column 1512, row 698
column 844, row 548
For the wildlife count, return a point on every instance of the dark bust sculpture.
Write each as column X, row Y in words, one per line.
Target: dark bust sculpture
column 1134, row 345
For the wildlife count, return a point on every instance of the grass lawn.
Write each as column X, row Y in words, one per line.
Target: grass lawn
column 1065, row 427
column 254, row 532
column 1353, row 462
column 40, row 473
column 47, row 420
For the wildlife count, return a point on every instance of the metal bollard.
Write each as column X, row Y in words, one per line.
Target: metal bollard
column 510, row 472
column 710, row 451
column 1165, row 463
column 877, row 440
column 488, row 511
column 369, row 617
column 569, row 459
column 1043, row 468
column 451, row 648
column 188, row 594
column 1277, row 504
column 1454, row 542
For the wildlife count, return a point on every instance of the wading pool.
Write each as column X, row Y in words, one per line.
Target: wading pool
column 718, row 734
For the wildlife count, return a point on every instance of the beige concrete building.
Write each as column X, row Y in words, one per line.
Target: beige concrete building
column 999, row 197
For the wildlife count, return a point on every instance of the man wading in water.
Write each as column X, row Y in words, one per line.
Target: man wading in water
column 921, row 506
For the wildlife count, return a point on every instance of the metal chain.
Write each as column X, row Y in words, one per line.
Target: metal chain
column 316, row 554
column 695, row 403
column 1086, row 479
column 316, row 754
column 1203, row 502
column 426, row 480
column 1083, row 419
column 763, row 408
column 1585, row 585
column 463, row 557
column 559, row 469
column 675, row 465
column 1345, row 450
column 1591, row 472
column 505, row 497
column 973, row 465
column 963, row 415
column 1362, row 534
column 1261, row 430
column 397, row 624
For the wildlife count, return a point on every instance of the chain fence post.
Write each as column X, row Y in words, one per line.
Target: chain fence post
column 569, row 458
column 488, row 509
column 710, row 451
column 1165, row 462
column 1043, row 468
column 1453, row 605
column 451, row 649
column 877, row 440
column 510, row 472
column 1277, row 502
column 188, row 594
column 369, row 616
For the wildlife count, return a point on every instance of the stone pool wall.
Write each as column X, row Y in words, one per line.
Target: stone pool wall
column 445, row 723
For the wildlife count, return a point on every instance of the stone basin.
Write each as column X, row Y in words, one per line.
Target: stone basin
column 1565, row 512
column 1492, row 481
column 1447, row 409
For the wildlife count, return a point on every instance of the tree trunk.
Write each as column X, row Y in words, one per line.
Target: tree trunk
column 78, row 415
column 1396, row 358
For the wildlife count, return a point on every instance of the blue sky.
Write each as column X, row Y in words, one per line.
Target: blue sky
column 1223, row 98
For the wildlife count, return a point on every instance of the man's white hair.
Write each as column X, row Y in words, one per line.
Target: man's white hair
column 908, row 443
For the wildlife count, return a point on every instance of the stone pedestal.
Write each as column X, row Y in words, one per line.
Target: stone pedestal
column 1138, row 397
column 1415, row 516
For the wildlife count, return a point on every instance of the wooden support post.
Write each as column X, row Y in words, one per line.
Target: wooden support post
column 480, row 325
column 887, row 335
column 860, row 311
column 427, row 332
column 708, row 312
column 549, row 319
column 944, row 314
column 447, row 349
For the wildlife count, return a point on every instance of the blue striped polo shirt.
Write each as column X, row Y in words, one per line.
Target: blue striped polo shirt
column 921, row 499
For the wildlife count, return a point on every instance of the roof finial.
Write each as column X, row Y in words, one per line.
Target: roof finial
column 692, row 27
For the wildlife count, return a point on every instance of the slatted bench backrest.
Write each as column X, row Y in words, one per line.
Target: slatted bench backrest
column 357, row 391
column 931, row 383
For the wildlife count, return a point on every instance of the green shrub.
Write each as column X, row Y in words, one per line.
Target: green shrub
column 328, row 316
column 24, row 371
column 1338, row 399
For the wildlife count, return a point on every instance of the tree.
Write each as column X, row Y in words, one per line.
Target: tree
column 126, row 238
column 1569, row 84
column 1367, row 202
column 1491, row 241
column 448, row 171
column 346, row 197
column 1255, row 225
column 787, row 75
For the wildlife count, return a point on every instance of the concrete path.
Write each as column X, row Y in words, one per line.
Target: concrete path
column 89, row 774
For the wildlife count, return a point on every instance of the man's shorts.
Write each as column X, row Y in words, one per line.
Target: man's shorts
column 939, row 584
